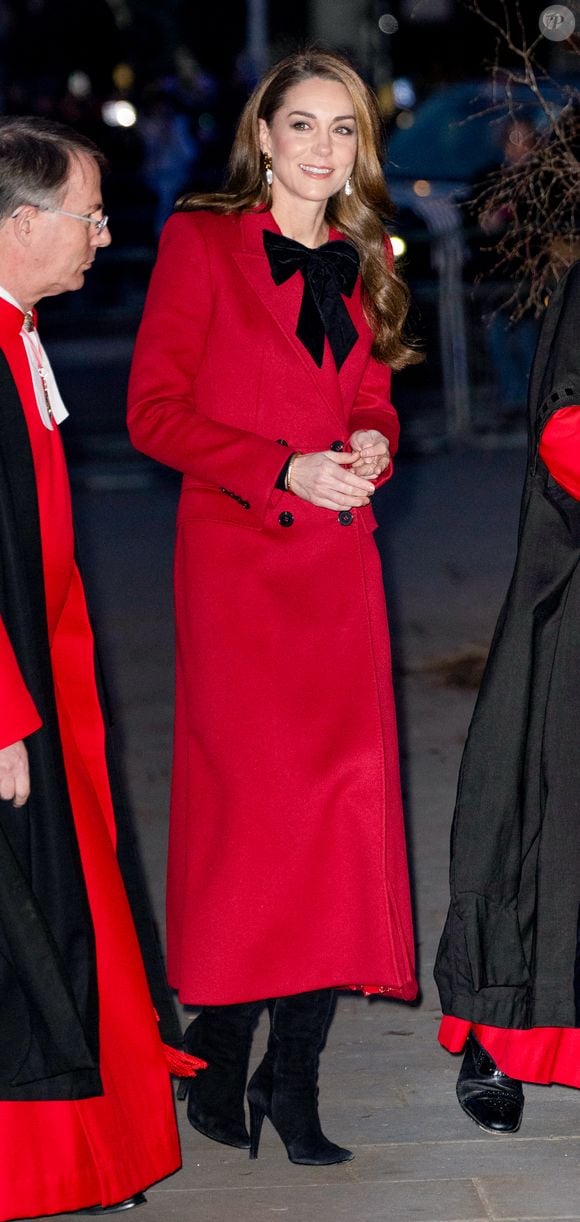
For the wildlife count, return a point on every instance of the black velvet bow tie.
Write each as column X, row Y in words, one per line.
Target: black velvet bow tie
column 328, row 271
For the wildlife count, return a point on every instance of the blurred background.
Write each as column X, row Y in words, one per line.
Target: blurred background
column 159, row 87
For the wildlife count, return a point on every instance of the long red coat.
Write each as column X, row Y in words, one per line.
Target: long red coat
column 287, row 866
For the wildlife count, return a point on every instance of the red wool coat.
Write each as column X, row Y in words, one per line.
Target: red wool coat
column 287, row 866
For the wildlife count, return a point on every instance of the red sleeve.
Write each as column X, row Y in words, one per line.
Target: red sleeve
column 18, row 715
column 164, row 419
column 373, row 410
column 560, row 449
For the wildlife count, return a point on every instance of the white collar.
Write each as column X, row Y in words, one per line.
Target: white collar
column 43, row 380
column 8, row 297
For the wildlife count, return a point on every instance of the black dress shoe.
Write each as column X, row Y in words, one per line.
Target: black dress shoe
column 493, row 1100
column 128, row 1203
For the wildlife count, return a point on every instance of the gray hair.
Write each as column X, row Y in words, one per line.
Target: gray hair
column 35, row 161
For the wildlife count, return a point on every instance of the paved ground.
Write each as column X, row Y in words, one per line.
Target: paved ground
column 387, row 1090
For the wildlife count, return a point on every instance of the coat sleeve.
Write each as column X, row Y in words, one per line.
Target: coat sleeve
column 560, row 449
column 164, row 419
column 18, row 715
column 372, row 408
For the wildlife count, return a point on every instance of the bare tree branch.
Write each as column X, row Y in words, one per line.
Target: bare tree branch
column 537, row 195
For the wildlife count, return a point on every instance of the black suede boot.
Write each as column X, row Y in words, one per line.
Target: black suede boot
column 487, row 1095
column 222, row 1036
column 285, row 1084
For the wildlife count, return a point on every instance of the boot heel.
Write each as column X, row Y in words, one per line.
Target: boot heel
column 290, row 1099
column 182, row 1089
column 257, row 1114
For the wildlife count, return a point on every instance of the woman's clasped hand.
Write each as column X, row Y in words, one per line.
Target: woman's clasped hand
column 342, row 480
column 373, row 454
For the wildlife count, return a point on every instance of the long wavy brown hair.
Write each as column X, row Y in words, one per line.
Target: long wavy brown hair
column 360, row 217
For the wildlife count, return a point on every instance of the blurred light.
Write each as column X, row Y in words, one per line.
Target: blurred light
column 405, row 119
column 404, row 92
column 123, row 77
column 185, row 64
column 122, row 13
column 119, row 114
column 422, row 187
column 386, row 98
column 79, row 84
column 399, row 245
column 388, row 24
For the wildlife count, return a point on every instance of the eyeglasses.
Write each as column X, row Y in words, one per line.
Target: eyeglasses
column 99, row 224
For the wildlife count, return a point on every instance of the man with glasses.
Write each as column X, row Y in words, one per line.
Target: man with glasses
column 86, row 1111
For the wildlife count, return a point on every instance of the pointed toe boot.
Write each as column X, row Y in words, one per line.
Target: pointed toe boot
column 285, row 1085
column 222, row 1036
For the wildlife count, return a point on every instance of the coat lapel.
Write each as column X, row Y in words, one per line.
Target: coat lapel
column 283, row 303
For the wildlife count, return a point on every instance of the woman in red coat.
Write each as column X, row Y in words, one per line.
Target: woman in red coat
column 269, row 390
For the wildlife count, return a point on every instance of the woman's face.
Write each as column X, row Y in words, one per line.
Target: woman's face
column 312, row 141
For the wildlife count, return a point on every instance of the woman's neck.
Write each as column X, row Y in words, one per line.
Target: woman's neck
column 306, row 225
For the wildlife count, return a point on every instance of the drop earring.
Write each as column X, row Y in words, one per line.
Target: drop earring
column 348, row 187
column 268, row 168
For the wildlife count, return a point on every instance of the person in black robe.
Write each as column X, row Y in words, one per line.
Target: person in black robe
column 509, row 960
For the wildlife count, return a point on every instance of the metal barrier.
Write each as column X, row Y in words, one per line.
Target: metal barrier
column 472, row 387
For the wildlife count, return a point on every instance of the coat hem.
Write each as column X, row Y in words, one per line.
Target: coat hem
column 405, row 991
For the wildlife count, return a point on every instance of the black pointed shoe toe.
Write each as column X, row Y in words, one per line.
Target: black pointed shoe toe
column 119, row 1207
column 493, row 1100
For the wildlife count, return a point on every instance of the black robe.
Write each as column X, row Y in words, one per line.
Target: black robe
column 508, row 956
column 48, row 992
column 49, row 1046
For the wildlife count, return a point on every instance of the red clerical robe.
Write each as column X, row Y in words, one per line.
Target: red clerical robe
column 62, row 1155
column 541, row 1054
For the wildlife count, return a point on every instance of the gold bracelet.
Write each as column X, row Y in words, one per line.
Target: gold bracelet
column 287, row 481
